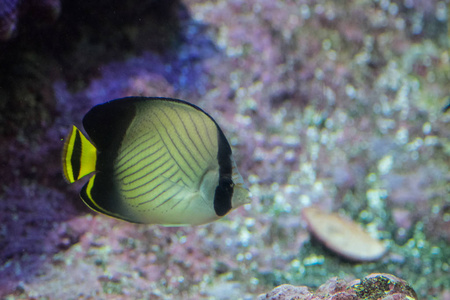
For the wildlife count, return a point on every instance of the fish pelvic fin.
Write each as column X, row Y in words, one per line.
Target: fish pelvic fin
column 79, row 156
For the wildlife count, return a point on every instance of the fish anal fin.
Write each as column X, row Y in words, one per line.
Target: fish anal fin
column 100, row 195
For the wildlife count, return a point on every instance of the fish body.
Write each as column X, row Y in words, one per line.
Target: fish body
column 155, row 161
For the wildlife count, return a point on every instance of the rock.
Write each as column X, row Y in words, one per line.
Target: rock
column 373, row 287
column 286, row 291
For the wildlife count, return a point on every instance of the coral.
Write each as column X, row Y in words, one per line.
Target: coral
column 30, row 228
column 14, row 13
column 8, row 18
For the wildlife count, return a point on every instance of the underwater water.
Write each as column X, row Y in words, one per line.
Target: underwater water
column 338, row 105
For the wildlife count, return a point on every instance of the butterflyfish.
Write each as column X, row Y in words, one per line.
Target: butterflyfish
column 155, row 161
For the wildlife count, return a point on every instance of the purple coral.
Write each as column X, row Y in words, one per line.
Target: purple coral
column 8, row 18
column 13, row 12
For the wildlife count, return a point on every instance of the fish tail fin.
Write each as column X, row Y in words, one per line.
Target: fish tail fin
column 79, row 156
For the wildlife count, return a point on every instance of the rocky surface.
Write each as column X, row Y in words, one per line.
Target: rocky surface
column 372, row 287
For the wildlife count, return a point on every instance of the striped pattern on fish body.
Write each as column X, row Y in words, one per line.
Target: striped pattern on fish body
column 165, row 161
column 158, row 168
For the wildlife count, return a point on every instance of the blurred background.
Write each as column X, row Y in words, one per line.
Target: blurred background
column 340, row 105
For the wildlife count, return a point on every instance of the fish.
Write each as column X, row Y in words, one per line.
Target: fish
column 154, row 160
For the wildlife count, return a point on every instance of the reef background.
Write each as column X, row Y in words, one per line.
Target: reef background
column 338, row 104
